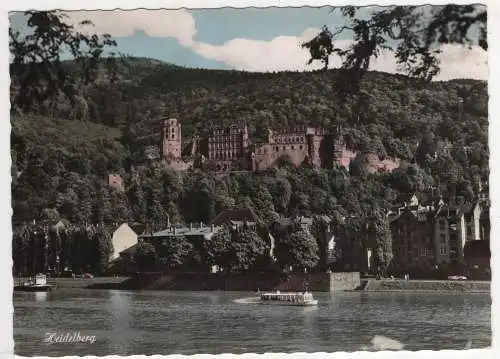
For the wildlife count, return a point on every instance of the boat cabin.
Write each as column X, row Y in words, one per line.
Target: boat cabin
column 287, row 297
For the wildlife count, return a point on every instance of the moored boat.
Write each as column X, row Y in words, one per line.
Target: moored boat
column 39, row 284
column 295, row 299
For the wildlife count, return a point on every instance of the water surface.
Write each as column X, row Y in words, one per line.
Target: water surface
column 147, row 322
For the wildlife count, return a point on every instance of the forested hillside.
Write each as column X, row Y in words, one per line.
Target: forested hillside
column 63, row 150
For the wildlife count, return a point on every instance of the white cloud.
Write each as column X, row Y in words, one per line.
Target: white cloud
column 285, row 53
column 461, row 62
column 178, row 24
column 281, row 53
column 278, row 54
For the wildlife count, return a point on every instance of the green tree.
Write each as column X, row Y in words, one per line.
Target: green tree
column 297, row 248
column 246, row 249
column 103, row 237
column 217, row 249
column 380, row 232
column 145, row 256
column 36, row 68
column 409, row 32
column 174, row 251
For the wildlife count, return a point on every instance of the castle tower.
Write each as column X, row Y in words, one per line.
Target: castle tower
column 171, row 139
column 314, row 138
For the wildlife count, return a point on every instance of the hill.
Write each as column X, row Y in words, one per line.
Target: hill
column 438, row 129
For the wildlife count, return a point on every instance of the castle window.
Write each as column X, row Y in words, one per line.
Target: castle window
column 284, row 148
column 173, row 136
column 277, row 148
column 301, row 147
column 293, row 147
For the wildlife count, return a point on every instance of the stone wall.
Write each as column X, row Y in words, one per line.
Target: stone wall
column 427, row 286
column 267, row 155
column 316, row 282
column 344, row 281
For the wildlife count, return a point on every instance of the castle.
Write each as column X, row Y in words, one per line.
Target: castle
column 230, row 149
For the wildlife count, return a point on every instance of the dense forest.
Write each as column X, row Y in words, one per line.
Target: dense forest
column 62, row 152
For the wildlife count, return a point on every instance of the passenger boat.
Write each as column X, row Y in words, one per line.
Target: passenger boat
column 39, row 284
column 296, row 299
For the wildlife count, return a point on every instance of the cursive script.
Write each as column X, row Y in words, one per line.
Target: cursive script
column 75, row 337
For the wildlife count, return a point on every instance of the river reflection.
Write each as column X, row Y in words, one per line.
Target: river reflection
column 131, row 323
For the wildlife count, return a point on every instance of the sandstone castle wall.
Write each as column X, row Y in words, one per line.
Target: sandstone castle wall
column 229, row 149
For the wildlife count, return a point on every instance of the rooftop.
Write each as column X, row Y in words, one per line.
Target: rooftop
column 242, row 215
column 200, row 230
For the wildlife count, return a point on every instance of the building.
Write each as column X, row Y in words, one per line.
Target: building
column 124, row 241
column 226, row 148
column 429, row 234
column 478, row 260
column 171, row 144
column 230, row 149
column 116, row 181
column 237, row 218
column 194, row 232
column 123, row 238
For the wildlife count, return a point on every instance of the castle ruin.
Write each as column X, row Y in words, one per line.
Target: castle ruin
column 230, row 149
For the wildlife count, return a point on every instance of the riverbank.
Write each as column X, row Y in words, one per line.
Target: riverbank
column 388, row 285
column 64, row 283
column 319, row 282
column 264, row 281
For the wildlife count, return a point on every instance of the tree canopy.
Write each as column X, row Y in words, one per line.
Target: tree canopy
column 413, row 33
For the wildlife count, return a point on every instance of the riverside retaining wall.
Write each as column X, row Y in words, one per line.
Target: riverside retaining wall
column 344, row 281
column 316, row 282
column 427, row 286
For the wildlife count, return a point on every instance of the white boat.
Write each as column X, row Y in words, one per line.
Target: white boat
column 297, row 299
column 39, row 284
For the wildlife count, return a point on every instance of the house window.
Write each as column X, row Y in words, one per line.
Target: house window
column 284, row 148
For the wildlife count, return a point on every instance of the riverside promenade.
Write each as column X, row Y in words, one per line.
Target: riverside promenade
column 163, row 282
column 418, row 285
column 77, row 282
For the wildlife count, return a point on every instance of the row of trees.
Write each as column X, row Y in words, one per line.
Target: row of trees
column 40, row 247
column 292, row 247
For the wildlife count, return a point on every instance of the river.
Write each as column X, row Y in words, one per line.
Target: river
column 147, row 322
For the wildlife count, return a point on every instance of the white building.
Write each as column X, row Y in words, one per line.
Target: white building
column 123, row 238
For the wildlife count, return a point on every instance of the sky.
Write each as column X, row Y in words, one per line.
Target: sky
column 250, row 39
